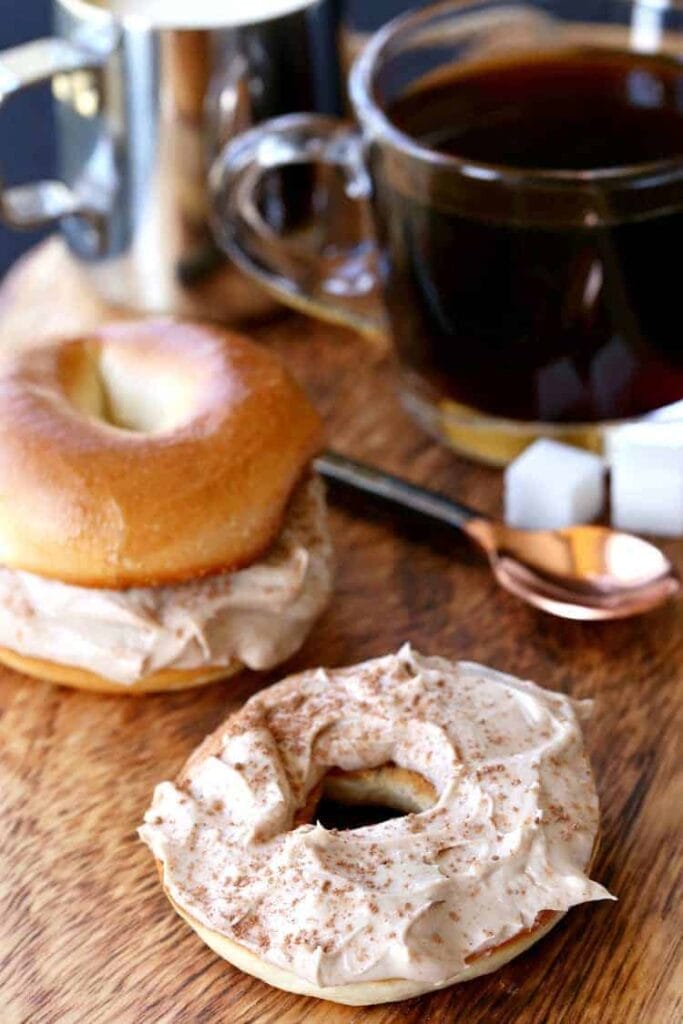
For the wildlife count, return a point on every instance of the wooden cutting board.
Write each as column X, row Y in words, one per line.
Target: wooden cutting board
column 85, row 932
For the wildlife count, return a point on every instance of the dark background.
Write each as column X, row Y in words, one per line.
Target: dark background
column 26, row 136
column 26, row 142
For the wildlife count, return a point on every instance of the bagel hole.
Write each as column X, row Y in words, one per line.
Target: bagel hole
column 110, row 389
column 343, row 817
column 350, row 800
column 138, row 402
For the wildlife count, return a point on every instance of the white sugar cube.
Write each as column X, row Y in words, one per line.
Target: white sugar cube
column 646, row 461
column 552, row 485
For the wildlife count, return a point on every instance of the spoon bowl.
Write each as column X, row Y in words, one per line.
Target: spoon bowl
column 578, row 572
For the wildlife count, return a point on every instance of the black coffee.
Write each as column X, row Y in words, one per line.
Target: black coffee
column 523, row 315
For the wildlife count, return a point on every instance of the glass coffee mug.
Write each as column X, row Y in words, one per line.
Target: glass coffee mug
column 510, row 210
column 360, row 19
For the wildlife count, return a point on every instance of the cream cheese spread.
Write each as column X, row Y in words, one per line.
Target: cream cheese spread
column 510, row 835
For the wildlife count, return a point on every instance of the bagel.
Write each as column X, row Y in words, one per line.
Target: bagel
column 147, row 453
column 498, row 833
column 160, row 525
column 164, row 681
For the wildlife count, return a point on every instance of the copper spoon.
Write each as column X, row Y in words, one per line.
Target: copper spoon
column 579, row 572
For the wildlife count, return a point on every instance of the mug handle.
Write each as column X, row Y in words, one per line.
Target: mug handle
column 42, row 202
column 329, row 269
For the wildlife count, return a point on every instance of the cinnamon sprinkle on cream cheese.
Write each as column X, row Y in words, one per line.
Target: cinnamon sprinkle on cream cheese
column 510, row 835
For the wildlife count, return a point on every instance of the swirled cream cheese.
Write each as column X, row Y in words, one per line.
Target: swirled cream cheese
column 510, row 835
column 258, row 615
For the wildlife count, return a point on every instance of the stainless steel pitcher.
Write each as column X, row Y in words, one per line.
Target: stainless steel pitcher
column 140, row 111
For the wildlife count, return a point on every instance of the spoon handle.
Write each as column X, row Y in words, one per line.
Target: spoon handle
column 392, row 490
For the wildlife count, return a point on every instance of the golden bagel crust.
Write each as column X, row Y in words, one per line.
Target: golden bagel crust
column 159, row 682
column 146, row 453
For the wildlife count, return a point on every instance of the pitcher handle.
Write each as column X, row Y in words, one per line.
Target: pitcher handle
column 41, row 202
column 331, row 268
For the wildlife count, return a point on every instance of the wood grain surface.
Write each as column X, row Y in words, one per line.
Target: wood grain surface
column 86, row 934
